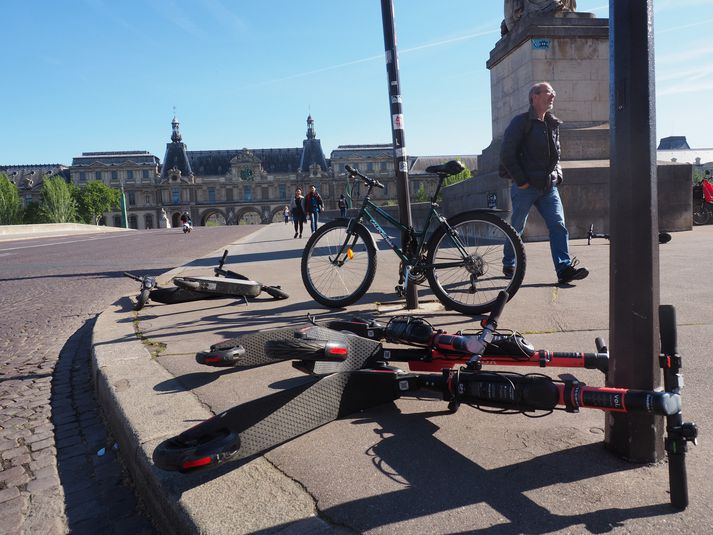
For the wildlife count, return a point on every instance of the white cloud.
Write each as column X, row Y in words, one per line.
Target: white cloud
column 176, row 15
column 683, row 27
column 224, row 15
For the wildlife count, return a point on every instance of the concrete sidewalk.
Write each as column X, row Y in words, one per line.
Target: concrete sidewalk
column 410, row 467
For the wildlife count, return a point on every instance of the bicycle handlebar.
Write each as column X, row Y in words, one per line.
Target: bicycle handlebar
column 678, row 432
column 371, row 182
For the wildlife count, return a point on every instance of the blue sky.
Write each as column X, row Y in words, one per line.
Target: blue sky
column 94, row 75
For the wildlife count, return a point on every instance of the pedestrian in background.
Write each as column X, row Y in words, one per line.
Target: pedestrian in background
column 342, row 204
column 530, row 156
column 297, row 209
column 313, row 205
column 286, row 214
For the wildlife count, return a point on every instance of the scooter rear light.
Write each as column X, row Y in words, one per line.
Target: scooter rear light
column 195, row 463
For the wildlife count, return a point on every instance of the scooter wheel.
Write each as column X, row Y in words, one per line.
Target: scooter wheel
column 142, row 299
column 181, row 455
column 275, row 291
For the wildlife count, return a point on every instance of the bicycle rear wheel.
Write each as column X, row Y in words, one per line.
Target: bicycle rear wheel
column 471, row 284
column 700, row 214
column 338, row 281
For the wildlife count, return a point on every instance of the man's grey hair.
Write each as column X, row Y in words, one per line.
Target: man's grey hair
column 535, row 90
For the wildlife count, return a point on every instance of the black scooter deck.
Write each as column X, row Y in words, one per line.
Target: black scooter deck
column 259, row 425
column 220, row 285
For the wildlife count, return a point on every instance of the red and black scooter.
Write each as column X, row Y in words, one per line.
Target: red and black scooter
column 359, row 374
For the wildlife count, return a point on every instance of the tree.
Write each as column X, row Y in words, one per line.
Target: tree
column 10, row 203
column 58, row 204
column 421, row 194
column 460, row 177
column 95, row 199
column 32, row 214
column 465, row 174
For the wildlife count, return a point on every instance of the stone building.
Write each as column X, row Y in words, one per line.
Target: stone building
column 240, row 186
column 29, row 179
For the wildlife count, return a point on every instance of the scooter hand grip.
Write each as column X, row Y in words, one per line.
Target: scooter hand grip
column 667, row 325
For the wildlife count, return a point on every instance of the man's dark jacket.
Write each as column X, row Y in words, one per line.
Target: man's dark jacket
column 530, row 152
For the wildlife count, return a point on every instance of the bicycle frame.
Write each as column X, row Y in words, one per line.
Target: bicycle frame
column 418, row 235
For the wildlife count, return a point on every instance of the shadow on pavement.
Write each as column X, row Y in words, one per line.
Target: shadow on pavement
column 437, row 479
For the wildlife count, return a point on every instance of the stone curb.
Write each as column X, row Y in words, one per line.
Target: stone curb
column 253, row 497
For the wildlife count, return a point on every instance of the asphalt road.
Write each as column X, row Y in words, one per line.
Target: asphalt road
column 58, row 469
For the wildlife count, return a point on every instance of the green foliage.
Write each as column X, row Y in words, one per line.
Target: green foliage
column 460, row 177
column 10, row 203
column 421, row 194
column 58, row 203
column 32, row 215
column 95, row 199
column 465, row 174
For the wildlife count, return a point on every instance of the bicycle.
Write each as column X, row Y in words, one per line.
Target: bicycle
column 462, row 258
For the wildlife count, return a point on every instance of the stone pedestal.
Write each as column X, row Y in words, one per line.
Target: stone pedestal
column 571, row 52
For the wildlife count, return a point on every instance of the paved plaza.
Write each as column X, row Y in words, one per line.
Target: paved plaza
column 408, row 467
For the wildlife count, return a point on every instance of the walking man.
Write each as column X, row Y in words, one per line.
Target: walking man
column 530, row 156
column 314, row 205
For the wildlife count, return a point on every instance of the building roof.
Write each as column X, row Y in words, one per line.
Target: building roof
column 176, row 161
column 113, row 158
column 382, row 150
column 217, row 162
column 31, row 176
column 312, row 153
column 673, row 143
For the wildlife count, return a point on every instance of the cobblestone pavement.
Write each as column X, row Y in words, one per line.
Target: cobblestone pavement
column 58, row 468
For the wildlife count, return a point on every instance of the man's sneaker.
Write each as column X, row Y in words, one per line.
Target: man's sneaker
column 572, row 273
column 509, row 271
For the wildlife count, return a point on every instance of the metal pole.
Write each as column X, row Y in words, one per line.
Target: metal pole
column 397, row 134
column 634, row 259
column 122, row 199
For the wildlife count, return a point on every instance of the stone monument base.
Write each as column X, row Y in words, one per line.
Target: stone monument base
column 585, row 196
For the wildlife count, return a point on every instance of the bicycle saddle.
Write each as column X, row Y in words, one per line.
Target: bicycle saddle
column 449, row 168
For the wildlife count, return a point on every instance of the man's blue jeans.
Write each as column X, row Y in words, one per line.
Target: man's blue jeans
column 313, row 220
column 549, row 205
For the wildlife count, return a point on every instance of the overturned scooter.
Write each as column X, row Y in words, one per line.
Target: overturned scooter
column 150, row 290
column 228, row 283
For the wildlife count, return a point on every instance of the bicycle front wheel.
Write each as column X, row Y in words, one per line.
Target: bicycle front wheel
column 465, row 267
column 338, row 267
